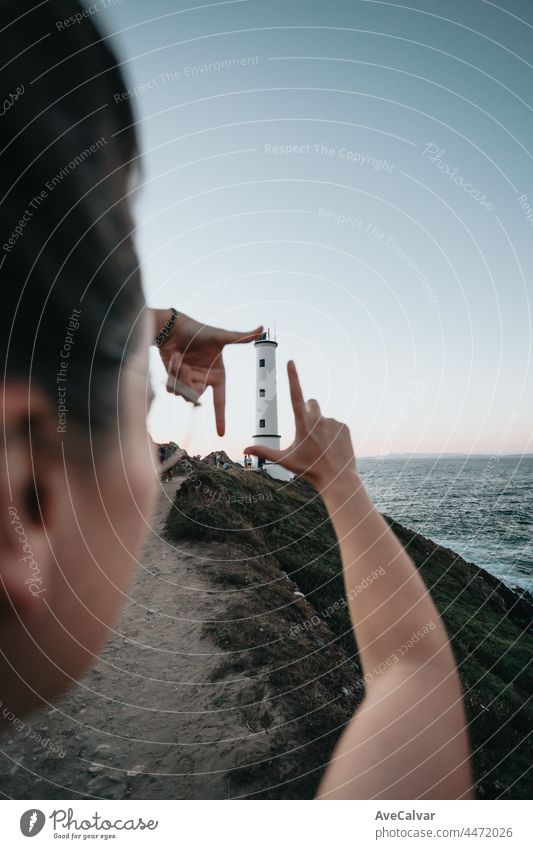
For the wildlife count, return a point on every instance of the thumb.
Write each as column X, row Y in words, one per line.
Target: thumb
column 230, row 337
column 265, row 453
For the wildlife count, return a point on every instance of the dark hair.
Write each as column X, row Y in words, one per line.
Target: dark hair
column 67, row 149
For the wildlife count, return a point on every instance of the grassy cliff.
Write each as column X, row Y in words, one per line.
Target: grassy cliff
column 286, row 527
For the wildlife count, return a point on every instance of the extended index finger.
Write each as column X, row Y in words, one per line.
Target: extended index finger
column 297, row 398
column 219, row 398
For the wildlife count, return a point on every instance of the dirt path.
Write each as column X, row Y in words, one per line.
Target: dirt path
column 167, row 713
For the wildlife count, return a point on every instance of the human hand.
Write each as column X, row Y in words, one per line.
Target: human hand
column 192, row 354
column 322, row 451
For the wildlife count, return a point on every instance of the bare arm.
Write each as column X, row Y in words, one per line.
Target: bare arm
column 408, row 738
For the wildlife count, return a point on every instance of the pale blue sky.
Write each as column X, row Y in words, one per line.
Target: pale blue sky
column 412, row 322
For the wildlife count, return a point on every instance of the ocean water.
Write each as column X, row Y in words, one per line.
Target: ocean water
column 481, row 507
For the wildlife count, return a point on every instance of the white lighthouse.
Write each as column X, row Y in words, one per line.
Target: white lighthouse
column 266, row 404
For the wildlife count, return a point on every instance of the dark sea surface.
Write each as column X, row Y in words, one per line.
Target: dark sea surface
column 481, row 507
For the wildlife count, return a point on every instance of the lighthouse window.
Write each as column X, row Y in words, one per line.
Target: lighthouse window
column 261, row 422
column 262, row 393
column 261, row 363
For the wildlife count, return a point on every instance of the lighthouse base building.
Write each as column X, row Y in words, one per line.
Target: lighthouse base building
column 266, row 407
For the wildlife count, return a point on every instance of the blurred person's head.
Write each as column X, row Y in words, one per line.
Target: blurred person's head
column 76, row 477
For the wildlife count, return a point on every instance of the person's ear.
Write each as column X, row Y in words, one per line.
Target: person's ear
column 29, row 480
